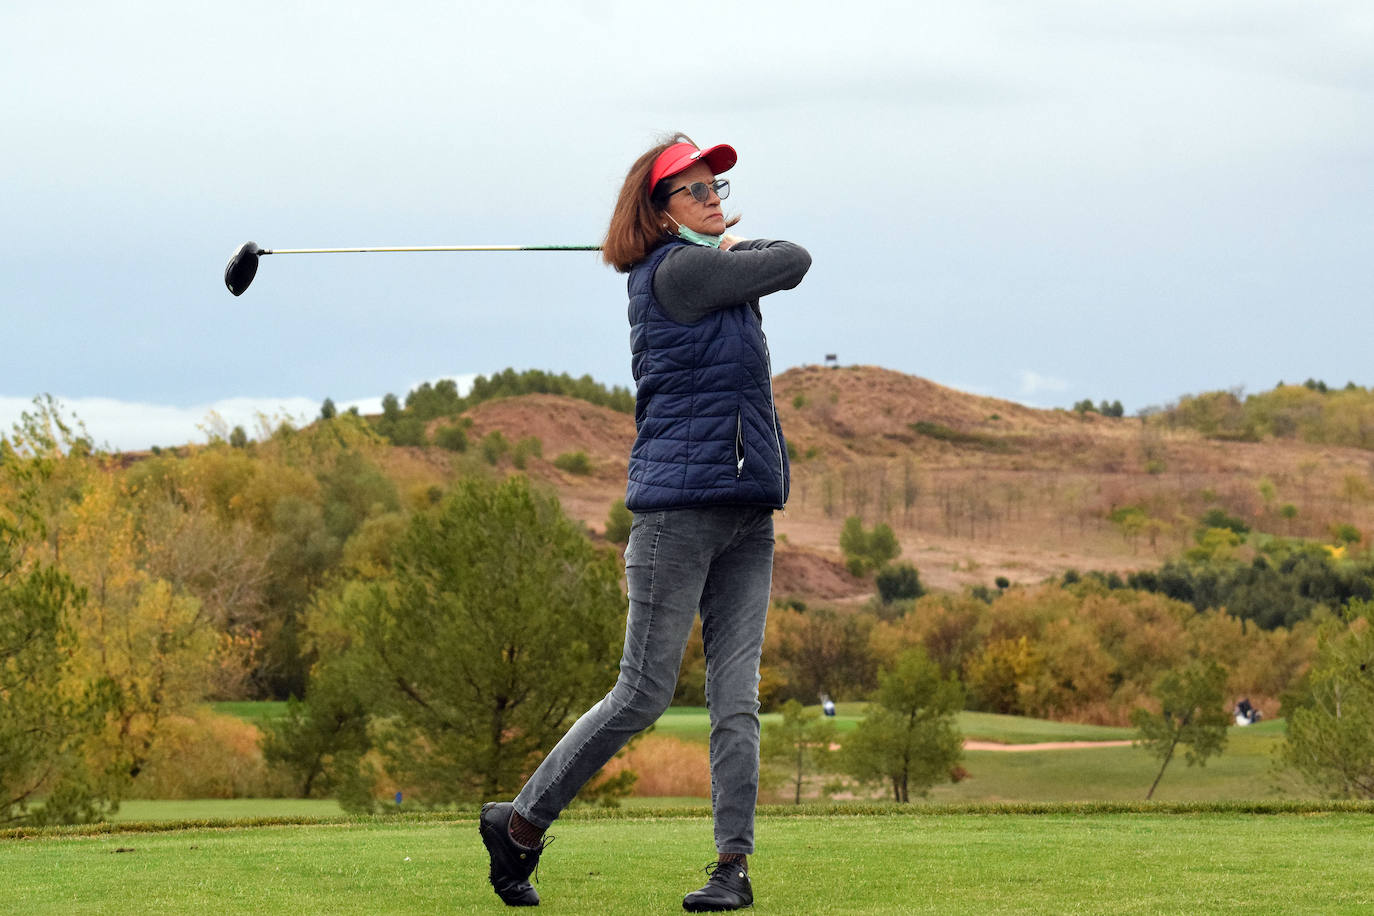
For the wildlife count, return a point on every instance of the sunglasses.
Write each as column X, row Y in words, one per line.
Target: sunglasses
column 701, row 190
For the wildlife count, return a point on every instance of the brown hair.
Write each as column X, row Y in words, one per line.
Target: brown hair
column 635, row 228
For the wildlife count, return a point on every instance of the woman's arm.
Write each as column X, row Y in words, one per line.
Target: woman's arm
column 694, row 281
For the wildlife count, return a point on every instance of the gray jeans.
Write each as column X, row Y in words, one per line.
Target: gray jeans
column 716, row 560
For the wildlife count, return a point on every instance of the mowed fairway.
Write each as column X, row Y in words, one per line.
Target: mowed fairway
column 1063, row 860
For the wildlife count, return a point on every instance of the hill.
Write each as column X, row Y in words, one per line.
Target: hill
column 976, row 488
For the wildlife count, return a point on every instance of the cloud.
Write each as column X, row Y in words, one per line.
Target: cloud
column 134, row 426
column 1033, row 383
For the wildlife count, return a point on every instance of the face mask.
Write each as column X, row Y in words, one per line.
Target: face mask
column 710, row 241
column 696, row 238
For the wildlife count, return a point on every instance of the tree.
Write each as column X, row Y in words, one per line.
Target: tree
column 901, row 582
column 1004, row 676
column 322, row 739
column 150, row 640
column 1330, row 739
column 400, row 427
column 499, row 622
column 494, row 446
column 438, row 400
column 618, row 522
column 908, row 737
column 327, row 410
column 822, row 651
column 44, row 723
column 1191, row 714
column 454, row 436
column 801, row 743
column 47, row 713
column 864, row 550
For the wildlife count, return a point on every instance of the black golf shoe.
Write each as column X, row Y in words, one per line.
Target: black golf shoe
column 727, row 888
column 511, row 863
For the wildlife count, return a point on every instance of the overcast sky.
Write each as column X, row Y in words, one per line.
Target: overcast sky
column 1041, row 200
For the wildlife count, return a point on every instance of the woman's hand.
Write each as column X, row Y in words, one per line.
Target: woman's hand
column 727, row 240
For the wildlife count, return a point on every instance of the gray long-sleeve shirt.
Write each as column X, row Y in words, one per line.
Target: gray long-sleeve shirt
column 694, row 280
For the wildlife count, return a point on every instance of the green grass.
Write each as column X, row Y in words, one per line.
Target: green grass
column 251, row 710
column 205, row 809
column 1243, row 772
column 1062, row 860
column 988, row 726
column 692, row 723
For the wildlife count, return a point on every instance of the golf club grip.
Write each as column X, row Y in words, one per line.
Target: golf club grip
column 431, row 248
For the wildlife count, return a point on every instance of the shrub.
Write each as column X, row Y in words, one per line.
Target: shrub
column 1345, row 534
column 618, row 523
column 574, row 463
column 1217, row 518
column 495, row 446
column 528, row 447
column 959, row 438
column 207, row 755
column 865, row 551
column 453, row 437
column 899, row 582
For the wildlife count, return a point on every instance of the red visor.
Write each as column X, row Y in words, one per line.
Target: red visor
column 681, row 156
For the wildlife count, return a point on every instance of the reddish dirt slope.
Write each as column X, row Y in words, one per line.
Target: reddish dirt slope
column 983, row 489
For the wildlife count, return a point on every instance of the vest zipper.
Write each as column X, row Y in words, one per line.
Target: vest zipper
column 772, row 405
column 739, row 443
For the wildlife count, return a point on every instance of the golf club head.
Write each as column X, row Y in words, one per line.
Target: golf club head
column 243, row 267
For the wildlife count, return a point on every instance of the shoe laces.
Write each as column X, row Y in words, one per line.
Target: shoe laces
column 544, row 844
column 714, row 874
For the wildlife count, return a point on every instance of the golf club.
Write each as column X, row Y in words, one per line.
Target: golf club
column 243, row 266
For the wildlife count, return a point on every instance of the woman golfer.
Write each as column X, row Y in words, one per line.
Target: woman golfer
column 707, row 470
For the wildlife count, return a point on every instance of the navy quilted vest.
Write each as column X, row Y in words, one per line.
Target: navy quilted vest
column 708, row 431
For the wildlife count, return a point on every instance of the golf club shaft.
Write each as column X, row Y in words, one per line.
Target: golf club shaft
column 432, row 248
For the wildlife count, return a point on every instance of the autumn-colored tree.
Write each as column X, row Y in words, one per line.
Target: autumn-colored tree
column 1005, row 675
column 152, row 642
column 947, row 626
column 821, row 650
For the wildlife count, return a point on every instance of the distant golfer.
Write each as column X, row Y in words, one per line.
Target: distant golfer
column 707, row 470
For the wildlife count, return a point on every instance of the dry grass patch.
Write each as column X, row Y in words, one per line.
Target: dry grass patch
column 667, row 767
